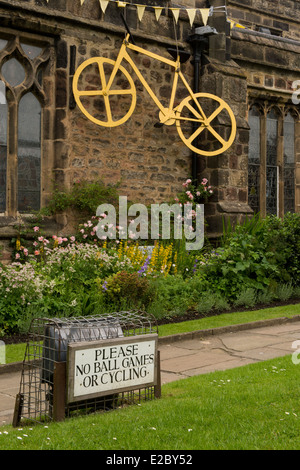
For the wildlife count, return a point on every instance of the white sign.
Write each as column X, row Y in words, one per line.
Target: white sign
column 98, row 368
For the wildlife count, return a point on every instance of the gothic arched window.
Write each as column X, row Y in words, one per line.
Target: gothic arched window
column 22, row 97
column 271, row 159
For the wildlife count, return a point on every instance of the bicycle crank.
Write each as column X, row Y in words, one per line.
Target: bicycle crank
column 167, row 117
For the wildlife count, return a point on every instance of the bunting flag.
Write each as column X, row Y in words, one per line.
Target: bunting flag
column 103, row 4
column 175, row 12
column 233, row 24
column 205, row 14
column 158, row 11
column 140, row 11
column 191, row 12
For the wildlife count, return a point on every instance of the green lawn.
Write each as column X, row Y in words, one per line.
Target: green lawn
column 252, row 407
column 15, row 353
column 226, row 319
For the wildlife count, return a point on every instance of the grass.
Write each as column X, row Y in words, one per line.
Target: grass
column 252, row 407
column 227, row 319
column 15, row 352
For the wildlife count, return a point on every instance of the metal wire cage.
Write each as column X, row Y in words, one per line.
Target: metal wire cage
column 46, row 349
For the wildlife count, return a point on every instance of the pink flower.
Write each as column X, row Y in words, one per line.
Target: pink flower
column 188, row 181
column 36, row 229
column 204, row 181
column 17, row 255
column 36, row 252
column 198, row 193
column 25, row 251
column 72, row 239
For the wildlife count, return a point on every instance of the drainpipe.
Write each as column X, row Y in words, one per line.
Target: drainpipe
column 199, row 42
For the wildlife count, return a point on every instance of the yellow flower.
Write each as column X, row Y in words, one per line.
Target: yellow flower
column 18, row 244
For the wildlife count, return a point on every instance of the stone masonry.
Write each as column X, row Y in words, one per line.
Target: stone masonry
column 149, row 162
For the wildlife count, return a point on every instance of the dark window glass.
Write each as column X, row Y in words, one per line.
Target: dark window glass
column 289, row 164
column 272, row 168
column 29, row 153
column 3, row 146
column 254, row 139
column 254, row 159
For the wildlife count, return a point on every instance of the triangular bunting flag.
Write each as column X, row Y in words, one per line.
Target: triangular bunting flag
column 122, row 4
column 204, row 13
column 103, row 4
column 158, row 11
column 191, row 14
column 237, row 25
column 140, row 11
column 175, row 12
column 82, row 2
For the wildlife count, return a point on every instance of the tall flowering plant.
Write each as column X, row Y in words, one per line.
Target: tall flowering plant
column 195, row 194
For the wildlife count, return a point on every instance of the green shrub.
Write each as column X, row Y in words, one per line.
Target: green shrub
column 128, row 290
column 284, row 291
column 84, row 196
column 206, row 303
column 258, row 254
column 246, row 298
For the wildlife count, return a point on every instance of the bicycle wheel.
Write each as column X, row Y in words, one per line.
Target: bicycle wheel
column 200, row 120
column 104, row 103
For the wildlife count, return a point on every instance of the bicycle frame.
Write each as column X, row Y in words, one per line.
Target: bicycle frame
column 188, row 110
column 167, row 113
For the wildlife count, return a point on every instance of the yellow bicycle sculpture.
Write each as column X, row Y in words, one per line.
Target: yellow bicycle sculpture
column 191, row 116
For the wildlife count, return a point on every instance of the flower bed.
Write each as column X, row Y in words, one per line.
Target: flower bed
column 256, row 263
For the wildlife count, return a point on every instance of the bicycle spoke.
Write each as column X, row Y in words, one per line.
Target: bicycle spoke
column 108, row 109
column 215, row 113
column 120, row 92
column 90, row 93
column 195, row 134
column 217, row 136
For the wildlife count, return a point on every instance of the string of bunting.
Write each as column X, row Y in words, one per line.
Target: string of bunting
column 205, row 12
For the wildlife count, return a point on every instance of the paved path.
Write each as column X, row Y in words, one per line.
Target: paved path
column 193, row 354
